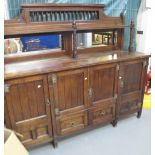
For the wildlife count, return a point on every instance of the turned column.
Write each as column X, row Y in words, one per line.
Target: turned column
column 132, row 31
column 74, row 51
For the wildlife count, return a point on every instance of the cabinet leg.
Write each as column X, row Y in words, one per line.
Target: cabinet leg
column 114, row 123
column 55, row 143
column 139, row 114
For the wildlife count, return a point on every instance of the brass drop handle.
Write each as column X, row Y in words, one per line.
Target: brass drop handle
column 121, row 82
column 102, row 113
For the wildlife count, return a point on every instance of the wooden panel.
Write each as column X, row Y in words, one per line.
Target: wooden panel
column 27, row 99
column 7, row 120
column 30, row 124
column 132, row 83
column 68, row 124
column 130, row 102
column 15, row 104
column 103, row 113
column 103, row 82
column 28, row 111
column 70, row 90
column 131, row 78
column 40, row 97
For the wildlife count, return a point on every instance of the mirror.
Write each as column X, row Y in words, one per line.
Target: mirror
column 97, row 39
column 28, row 44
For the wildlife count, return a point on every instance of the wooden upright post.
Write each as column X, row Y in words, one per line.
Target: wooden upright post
column 132, row 31
column 74, row 54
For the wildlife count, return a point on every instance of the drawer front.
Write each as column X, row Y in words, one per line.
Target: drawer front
column 103, row 114
column 130, row 103
column 68, row 124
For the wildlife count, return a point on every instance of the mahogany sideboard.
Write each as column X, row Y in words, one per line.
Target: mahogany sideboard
column 51, row 95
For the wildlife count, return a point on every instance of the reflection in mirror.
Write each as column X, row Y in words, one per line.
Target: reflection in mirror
column 27, row 44
column 97, row 39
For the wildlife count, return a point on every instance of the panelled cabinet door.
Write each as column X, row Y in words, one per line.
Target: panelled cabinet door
column 103, row 92
column 28, row 106
column 68, row 90
column 131, row 86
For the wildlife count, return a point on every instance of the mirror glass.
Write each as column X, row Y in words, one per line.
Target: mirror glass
column 28, row 44
column 96, row 39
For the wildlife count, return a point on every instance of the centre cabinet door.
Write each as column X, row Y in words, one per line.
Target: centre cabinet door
column 28, row 106
column 69, row 93
column 103, row 92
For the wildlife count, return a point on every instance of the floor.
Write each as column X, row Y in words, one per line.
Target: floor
column 130, row 137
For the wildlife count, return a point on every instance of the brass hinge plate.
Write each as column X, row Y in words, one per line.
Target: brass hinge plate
column 53, row 79
column 144, row 64
column 6, row 88
column 90, row 92
column 115, row 96
column 48, row 101
column 57, row 112
column 117, row 67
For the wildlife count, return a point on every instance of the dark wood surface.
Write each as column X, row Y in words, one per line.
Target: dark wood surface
column 36, row 28
column 63, row 5
column 29, row 68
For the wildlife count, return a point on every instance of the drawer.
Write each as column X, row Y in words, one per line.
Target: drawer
column 130, row 106
column 68, row 124
column 130, row 103
column 102, row 114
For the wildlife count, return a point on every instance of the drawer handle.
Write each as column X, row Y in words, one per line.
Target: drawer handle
column 72, row 124
column 102, row 113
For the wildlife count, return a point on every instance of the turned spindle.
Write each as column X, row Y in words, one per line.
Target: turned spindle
column 74, row 52
column 132, row 31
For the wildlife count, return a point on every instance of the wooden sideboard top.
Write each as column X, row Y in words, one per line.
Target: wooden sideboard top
column 60, row 5
column 42, row 66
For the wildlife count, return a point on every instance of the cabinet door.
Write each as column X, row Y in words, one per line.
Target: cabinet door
column 68, row 90
column 28, row 108
column 103, row 92
column 131, row 86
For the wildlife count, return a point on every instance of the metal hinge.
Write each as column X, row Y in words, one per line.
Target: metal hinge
column 57, row 112
column 90, row 92
column 117, row 67
column 48, row 101
column 53, row 79
column 115, row 96
column 144, row 64
column 6, row 88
